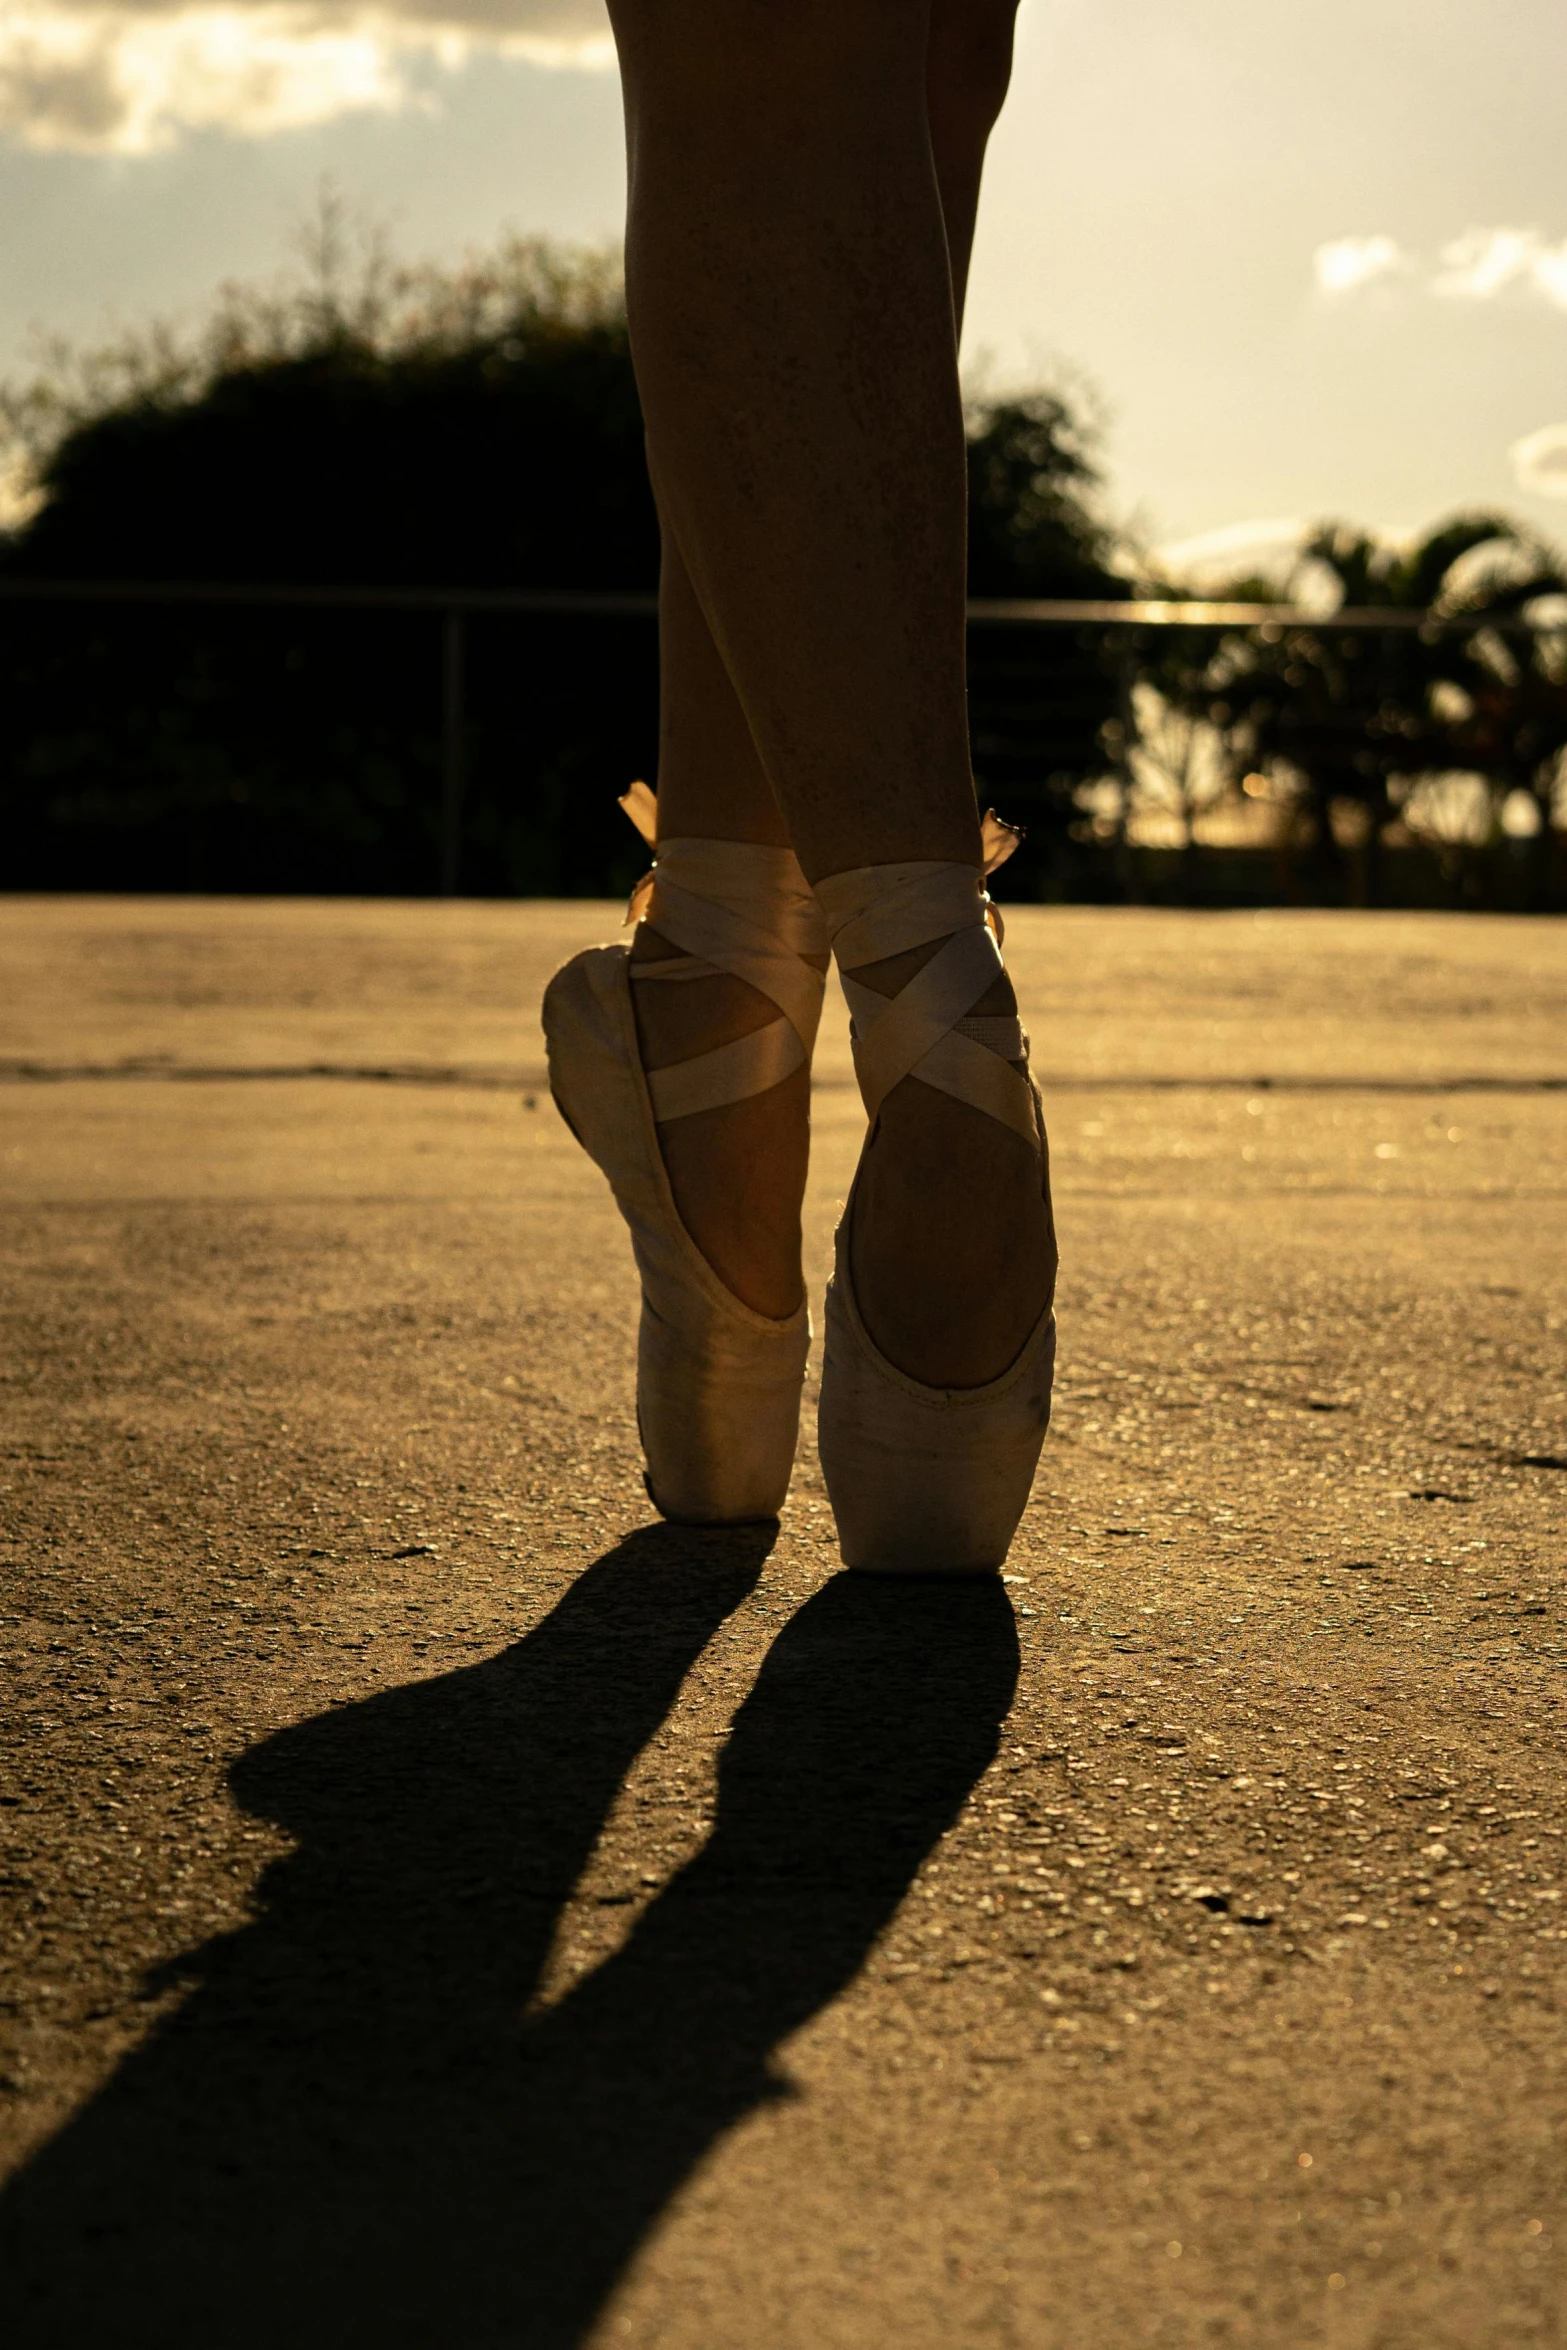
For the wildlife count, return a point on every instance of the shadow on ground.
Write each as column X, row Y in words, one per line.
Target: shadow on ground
column 350, row 2131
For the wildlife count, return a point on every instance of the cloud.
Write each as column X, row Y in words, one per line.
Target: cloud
column 1239, row 550
column 1479, row 266
column 1350, row 262
column 1540, row 461
column 1486, row 262
column 129, row 77
column 20, row 496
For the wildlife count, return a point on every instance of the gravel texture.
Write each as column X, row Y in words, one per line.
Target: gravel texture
column 442, row 1906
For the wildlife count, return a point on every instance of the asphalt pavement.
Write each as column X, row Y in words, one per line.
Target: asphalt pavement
column 440, row 1905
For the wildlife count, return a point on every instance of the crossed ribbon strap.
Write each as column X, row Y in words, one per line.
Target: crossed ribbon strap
column 735, row 907
column 925, row 1031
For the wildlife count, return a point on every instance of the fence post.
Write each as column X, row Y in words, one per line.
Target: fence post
column 452, row 777
column 1373, row 888
column 1126, row 679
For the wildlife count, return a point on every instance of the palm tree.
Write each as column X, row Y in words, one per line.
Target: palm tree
column 1359, row 718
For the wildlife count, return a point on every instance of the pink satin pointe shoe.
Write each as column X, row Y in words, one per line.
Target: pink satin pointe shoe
column 718, row 1386
column 927, row 1479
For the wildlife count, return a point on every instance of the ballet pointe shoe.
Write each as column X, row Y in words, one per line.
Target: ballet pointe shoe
column 927, row 1480
column 718, row 1385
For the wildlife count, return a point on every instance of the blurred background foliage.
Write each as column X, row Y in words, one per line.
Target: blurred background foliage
column 370, row 424
column 1416, row 765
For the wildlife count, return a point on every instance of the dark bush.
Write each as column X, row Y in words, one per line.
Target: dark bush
column 475, row 430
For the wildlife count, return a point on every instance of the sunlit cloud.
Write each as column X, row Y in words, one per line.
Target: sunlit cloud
column 129, row 77
column 1264, row 549
column 1347, row 263
column 1271, row 551
column 1540, row 461
column 1486, row 262
column 1480, row 266
column 20, row 496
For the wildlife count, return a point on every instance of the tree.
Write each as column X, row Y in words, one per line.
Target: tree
column 1503, row 694
column 1040, row 699
column 1353, row 723
column 479, row 427
column 373, row 424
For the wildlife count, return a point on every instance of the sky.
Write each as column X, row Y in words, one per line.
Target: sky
column 1312, row 258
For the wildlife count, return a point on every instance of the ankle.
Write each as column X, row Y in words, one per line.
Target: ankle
column 952, row 1244
column 737, row 1176
column 677, row 1020
column 736, row 1172
column 892, row 974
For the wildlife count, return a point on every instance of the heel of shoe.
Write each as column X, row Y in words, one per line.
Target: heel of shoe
column 926, row 1480
column 590, row 1042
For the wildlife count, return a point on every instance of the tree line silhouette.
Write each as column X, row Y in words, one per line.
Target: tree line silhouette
column 381, row 426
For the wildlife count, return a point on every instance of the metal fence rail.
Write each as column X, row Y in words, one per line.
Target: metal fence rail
column 642, row 604
column 453, row 606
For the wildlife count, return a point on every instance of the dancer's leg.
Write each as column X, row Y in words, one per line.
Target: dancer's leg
column 711, row 783
column 793, row 320
column 968, row 65
column 738, row 1174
